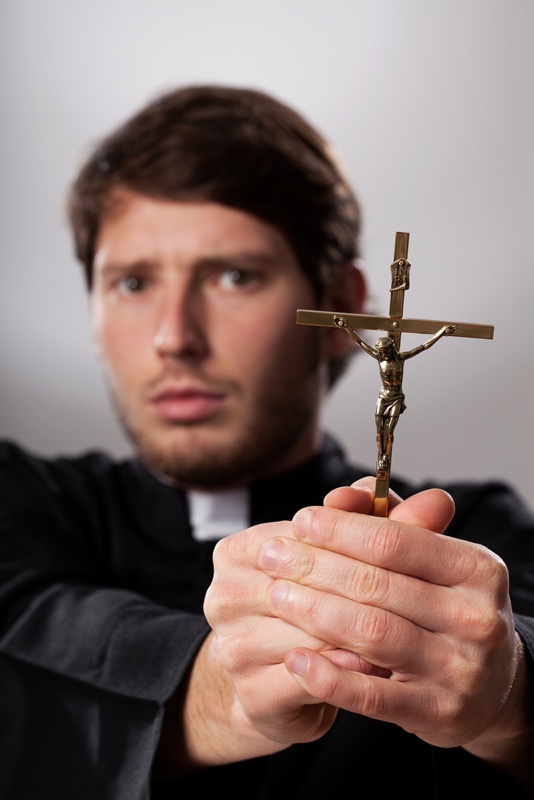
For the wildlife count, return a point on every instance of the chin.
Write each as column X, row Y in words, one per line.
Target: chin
column 204, row 473
column 195, row 461
column 227, row 453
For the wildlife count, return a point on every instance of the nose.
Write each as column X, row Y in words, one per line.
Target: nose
column 180, row 330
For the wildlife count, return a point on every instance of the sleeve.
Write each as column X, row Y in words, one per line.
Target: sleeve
column 525, row 627
column 85, row 667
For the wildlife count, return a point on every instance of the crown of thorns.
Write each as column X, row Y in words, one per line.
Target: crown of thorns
column 384, row 342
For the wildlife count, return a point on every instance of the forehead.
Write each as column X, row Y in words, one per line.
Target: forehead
column 135, row 225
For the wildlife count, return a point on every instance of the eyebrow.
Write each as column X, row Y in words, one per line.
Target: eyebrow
column 245, row 257
column 118, row 268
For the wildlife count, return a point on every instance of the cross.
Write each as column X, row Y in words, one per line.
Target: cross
column 390, row 403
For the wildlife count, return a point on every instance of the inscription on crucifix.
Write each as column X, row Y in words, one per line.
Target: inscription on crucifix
column 390, row 403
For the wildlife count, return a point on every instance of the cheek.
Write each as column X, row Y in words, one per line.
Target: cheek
column 119, row 347
column 271, row 345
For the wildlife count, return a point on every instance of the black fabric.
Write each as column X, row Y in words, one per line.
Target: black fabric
column 101, row 591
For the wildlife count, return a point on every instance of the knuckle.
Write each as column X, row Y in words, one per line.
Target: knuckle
column 485, row 569
column 484, row 625
column 448, row 712
column 228, row 550
column 372, row 625
column 485, row 620
column 387, row 543
column 237, row 652
column 314, row 606
column 300, row 564
column 369, row 584
column 371, row 704
column 334, row 528
column 328, row 690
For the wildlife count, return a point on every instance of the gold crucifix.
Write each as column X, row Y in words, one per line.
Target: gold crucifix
column 390, row 402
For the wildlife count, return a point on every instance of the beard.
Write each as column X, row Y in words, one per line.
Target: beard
column 259, row 447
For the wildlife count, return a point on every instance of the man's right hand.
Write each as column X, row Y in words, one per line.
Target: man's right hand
column 241, row 700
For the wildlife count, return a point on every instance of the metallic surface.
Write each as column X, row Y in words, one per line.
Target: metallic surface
column 391, row 367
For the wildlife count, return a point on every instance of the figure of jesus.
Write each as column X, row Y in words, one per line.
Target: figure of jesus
column 390, row 403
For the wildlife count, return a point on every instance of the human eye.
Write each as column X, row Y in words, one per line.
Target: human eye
column 131, row 284
column 236, row 278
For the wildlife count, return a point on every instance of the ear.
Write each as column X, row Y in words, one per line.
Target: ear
column 347, row 294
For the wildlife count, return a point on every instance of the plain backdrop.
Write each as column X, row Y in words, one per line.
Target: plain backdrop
column 430, row 107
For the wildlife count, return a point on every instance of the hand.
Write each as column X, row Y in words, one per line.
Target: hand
column 247, row 648
column 430, row 612
column 249, row 645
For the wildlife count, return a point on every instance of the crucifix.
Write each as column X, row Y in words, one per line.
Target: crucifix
column 390, row 403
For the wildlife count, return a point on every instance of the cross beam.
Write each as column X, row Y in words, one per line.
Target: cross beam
column 390, row 403
column 405, row 325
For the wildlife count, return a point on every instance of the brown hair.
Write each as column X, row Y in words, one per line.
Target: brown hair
column 234, row 146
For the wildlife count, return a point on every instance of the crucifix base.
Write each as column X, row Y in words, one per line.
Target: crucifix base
column 380, row 506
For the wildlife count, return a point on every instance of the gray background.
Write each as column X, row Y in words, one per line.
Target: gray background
column 430, row 106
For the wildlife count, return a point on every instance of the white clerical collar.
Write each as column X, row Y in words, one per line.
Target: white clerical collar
column 214, row 515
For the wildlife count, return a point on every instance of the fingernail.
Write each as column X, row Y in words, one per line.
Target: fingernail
column 302, row 521
column 270, row 554
column 297, row 663
column 279, row 593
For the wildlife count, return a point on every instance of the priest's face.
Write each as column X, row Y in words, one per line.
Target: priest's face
column 193, row 310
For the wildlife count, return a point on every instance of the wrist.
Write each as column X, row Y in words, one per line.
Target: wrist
column 508, row 743
column 204, row 724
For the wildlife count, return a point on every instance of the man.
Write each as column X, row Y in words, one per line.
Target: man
column 223, row 612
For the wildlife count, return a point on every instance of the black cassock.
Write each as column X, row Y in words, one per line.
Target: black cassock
column 101, row 591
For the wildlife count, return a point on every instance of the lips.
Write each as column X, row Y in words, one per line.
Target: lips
column 187, row 405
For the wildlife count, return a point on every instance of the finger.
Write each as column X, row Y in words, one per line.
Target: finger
column 359, row 497
column 391, row 544
column 334, row 574
column 427, row 710
column 237, row 553
column 354, row 662
column 299, row 719
column 413, row 708
column 432, row 509
column 382, row 638
column 282, row 710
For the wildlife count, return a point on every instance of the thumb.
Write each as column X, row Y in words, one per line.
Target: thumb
column 359, row 497
column 432, row 509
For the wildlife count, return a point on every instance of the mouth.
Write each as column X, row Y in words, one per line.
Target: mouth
column 187, row 405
